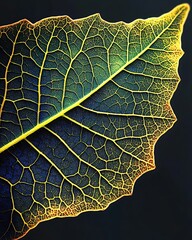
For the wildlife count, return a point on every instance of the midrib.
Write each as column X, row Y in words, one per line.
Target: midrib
column 61, row 113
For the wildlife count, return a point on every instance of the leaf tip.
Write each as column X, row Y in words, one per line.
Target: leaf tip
column 184, row 7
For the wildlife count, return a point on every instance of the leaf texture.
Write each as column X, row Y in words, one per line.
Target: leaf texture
column 83, row 103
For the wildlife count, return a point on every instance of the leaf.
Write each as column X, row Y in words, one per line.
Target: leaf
column 83, row 103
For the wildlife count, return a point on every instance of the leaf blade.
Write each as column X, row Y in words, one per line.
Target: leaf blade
column 95, row 145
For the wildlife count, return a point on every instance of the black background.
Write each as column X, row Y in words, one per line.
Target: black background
column 161, row 205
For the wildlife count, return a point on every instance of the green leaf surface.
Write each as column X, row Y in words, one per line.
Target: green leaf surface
column 83, row 103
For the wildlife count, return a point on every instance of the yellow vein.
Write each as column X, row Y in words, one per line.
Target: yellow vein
column 135, row 91
column 72, row 60
column 57, row 168
column 107, row 138
column 149, row 76
column 126, row 114
column 40, row 76
column 6, row 72
column 77, row 156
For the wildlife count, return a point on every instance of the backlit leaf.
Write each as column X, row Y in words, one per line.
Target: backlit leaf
column 83, row 103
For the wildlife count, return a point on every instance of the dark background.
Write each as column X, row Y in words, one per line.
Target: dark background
column 161, row 205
